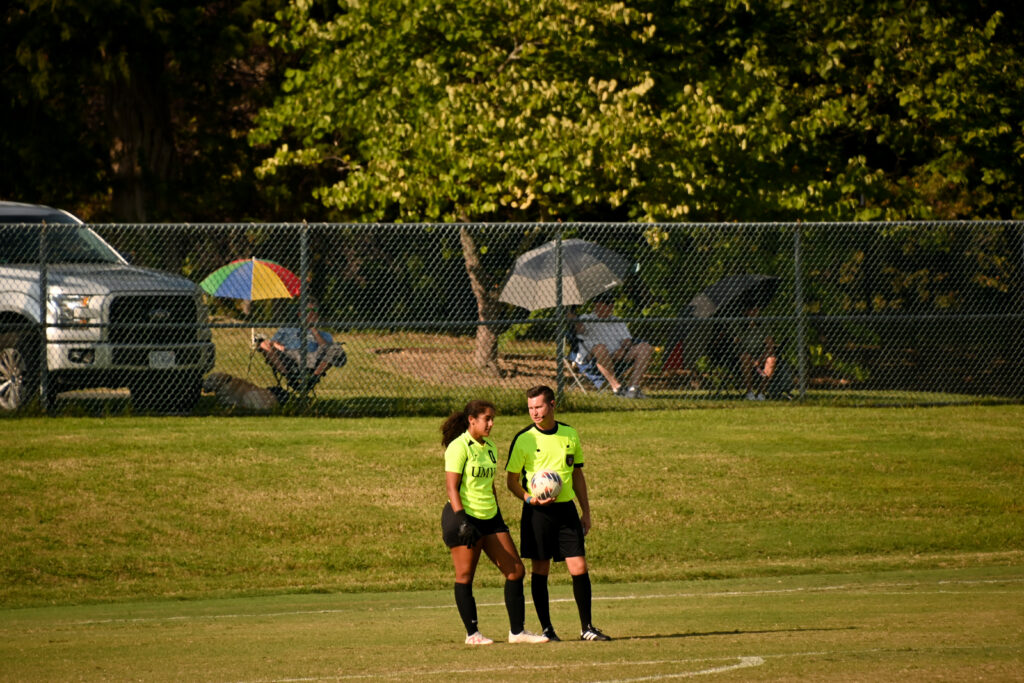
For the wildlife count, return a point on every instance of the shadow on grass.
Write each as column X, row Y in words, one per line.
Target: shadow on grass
column 737, row 632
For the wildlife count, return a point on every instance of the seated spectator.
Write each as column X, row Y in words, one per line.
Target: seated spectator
column 608, row 340
column 283, row 351
column 757, row 355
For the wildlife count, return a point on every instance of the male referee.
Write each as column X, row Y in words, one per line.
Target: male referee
column 552, row 529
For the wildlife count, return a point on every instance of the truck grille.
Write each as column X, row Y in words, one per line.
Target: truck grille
column 152, row 319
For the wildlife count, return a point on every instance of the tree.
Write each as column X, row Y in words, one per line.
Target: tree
column 442, row 111
column 133, row 111
column 424, row 110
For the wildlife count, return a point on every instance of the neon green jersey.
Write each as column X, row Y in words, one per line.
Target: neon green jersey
column 477, row 463
column 534, row 450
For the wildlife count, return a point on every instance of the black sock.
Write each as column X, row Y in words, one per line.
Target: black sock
column 539, row 592
column 467, row 606
column 581, row 591
column 515, row 603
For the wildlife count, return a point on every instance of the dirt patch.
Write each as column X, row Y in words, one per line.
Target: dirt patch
column 454, row 367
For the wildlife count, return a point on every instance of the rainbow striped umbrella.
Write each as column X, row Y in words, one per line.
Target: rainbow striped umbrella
column 252, row 279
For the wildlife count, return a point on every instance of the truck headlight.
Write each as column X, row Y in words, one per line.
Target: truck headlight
column 73, row 309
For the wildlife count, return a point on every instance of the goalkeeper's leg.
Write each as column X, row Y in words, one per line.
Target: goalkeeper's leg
column 465, row 561
column 466, row 604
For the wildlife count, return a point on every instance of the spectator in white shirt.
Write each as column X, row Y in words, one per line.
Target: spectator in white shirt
column 608, row 340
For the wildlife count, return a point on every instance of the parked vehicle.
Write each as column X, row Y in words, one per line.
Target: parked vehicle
column 107, row 323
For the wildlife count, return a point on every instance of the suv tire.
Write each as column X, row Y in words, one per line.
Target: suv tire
column 19, row 370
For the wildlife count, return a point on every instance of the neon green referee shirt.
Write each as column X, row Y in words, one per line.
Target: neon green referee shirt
column 477, row 463
column 534, row 450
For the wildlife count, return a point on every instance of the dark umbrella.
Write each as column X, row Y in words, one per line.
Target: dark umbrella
column 587, row 270
column 733, row 295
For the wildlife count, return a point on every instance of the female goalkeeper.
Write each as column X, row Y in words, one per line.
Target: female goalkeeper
column 471, row 520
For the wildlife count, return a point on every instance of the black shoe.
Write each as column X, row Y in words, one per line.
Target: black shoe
column 591, row 633
column 551, row 635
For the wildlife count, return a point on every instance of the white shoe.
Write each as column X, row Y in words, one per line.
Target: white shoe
column 478, row 639
column 634, row 392
column 760, row 397
column 526, row 637
column 751, row 396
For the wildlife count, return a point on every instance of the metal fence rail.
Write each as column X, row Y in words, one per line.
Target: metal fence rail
column 418, row 320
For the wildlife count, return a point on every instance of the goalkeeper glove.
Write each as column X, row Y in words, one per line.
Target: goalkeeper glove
column 467, row 533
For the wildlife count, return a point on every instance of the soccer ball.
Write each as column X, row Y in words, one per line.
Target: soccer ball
column 545, row 484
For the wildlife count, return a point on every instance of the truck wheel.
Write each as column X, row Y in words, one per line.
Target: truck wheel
column 19, row 377
column 165, row 393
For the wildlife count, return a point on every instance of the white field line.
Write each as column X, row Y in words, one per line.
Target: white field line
column 744, row 663
column 878, row 588
column 741, row 662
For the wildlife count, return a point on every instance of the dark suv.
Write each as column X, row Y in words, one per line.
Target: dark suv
column 108, row 324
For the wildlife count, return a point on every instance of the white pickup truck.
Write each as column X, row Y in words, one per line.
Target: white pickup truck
column 108, row 323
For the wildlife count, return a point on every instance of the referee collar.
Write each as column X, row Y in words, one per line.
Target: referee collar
column 549, row 432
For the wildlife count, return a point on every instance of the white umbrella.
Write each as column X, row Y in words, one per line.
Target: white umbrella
column 587, row 270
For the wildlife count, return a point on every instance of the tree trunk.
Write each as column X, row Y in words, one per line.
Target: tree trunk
column 142, row 153
column 485, row 355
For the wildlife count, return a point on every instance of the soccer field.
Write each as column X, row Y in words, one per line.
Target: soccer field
column 756, row 543
column 916, row 626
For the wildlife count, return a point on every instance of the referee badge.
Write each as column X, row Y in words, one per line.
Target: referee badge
column 569, row 459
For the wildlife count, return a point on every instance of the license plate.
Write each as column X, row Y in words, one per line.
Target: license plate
column 161, row 359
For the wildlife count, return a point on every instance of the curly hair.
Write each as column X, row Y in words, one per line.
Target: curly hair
column 458, row 422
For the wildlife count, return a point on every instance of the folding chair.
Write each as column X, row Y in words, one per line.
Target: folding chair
column 293, row 380
column 572, row 345
column 580, row 364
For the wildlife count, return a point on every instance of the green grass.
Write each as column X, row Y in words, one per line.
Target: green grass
column 757, row 543
column 923, row 625
column 121, row 509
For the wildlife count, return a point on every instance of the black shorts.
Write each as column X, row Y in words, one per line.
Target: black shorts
column 486, row 527
column 551, row 532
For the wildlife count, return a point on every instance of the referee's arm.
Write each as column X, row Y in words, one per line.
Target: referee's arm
column 512, row 481
column 579, row 487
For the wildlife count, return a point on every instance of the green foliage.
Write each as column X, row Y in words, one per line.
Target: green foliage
column 134, row 111
column 818, row 356
column 582, row 110
column 558, row 110
column 912, row 268
column 426, row 110
column 432, row 110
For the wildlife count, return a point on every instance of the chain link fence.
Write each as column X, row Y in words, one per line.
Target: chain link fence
column 417, row 319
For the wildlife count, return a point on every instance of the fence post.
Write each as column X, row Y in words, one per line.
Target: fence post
column 303, row 303
column 560, row 316
column 44, row 286
column 801, row 317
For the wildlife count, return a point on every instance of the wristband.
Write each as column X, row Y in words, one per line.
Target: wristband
column 528, row 499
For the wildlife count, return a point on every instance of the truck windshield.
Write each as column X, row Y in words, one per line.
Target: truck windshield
column 64, row 244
